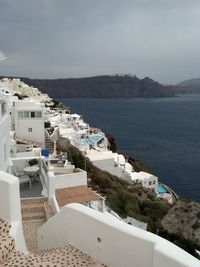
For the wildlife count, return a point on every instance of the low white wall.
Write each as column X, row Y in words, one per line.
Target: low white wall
column 20, row 163
column 103, row 164
column 63, row 170
column 109, row 240
column 66, row 180
column 10, row 207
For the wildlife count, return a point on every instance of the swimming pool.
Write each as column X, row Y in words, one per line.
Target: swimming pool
column 85, row 141
column 161, row 189
column 96, row 138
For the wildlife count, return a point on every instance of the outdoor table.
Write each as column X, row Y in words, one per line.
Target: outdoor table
column 32, row 171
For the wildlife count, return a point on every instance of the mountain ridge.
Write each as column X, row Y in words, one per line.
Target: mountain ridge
column 195, row 82
column 191, row 86
column 101, row 86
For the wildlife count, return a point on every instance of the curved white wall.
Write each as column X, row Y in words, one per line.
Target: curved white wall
column 111, row 241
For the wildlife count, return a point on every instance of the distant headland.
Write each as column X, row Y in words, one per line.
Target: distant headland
column 102, row 86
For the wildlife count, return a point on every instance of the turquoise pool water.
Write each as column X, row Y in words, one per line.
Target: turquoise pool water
column 96, row 138
column 161, row 189
column 85, row 141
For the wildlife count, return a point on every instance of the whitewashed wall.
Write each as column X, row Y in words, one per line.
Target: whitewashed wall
column 10, row 207
column 37, row 134
column 152, row 179
column 108, row 165
column 111, row 241
column 22, row 125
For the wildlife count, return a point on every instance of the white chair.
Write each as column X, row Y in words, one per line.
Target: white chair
column 22, row 178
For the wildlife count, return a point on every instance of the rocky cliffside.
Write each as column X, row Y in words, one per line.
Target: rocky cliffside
column 184, row 218
column 102, row 86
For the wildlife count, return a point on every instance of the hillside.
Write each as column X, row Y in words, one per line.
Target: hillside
column 191, row 86
column 140, row 203
column 101, row 86
column 195, row 83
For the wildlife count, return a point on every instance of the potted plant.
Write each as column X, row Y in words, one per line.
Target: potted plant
column 33, row 162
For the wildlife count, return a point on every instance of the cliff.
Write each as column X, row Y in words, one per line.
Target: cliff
column 184, row 218
column 101, row 86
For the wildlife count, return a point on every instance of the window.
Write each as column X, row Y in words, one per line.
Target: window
column 29, row 114
column 154, row 182
column 26, row 114
column 30, row 130
column 32, row 114
column 38, row 114
column 20, row 114
column 150, row 183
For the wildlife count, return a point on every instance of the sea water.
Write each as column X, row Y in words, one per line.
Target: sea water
column 164, row 133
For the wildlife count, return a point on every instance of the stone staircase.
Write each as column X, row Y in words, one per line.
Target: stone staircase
column 67, row 256
column 33, row 208
column 34, row 215
column 48, row 143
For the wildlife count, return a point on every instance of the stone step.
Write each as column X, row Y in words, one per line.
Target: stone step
column 48, row 146
column 33, row 201
column 49, row 142
column 34, row 208
column 32, row 216
column 7, row 246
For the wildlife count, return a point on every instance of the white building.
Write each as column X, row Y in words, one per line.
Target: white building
column 113, row 163
column 147, row 180
column 29, row 122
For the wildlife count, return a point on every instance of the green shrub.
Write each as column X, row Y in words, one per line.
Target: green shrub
column 33, row 162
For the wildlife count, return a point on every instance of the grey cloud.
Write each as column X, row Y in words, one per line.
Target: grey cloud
column 75, row 38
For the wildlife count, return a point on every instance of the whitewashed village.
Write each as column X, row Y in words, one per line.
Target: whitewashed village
column 49, row 214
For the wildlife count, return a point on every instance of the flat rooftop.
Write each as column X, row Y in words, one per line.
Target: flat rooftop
column 75, row 194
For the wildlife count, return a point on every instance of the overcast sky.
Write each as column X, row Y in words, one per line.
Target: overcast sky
column 76, row 38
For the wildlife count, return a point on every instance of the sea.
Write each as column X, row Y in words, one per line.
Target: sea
column 163, row 133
